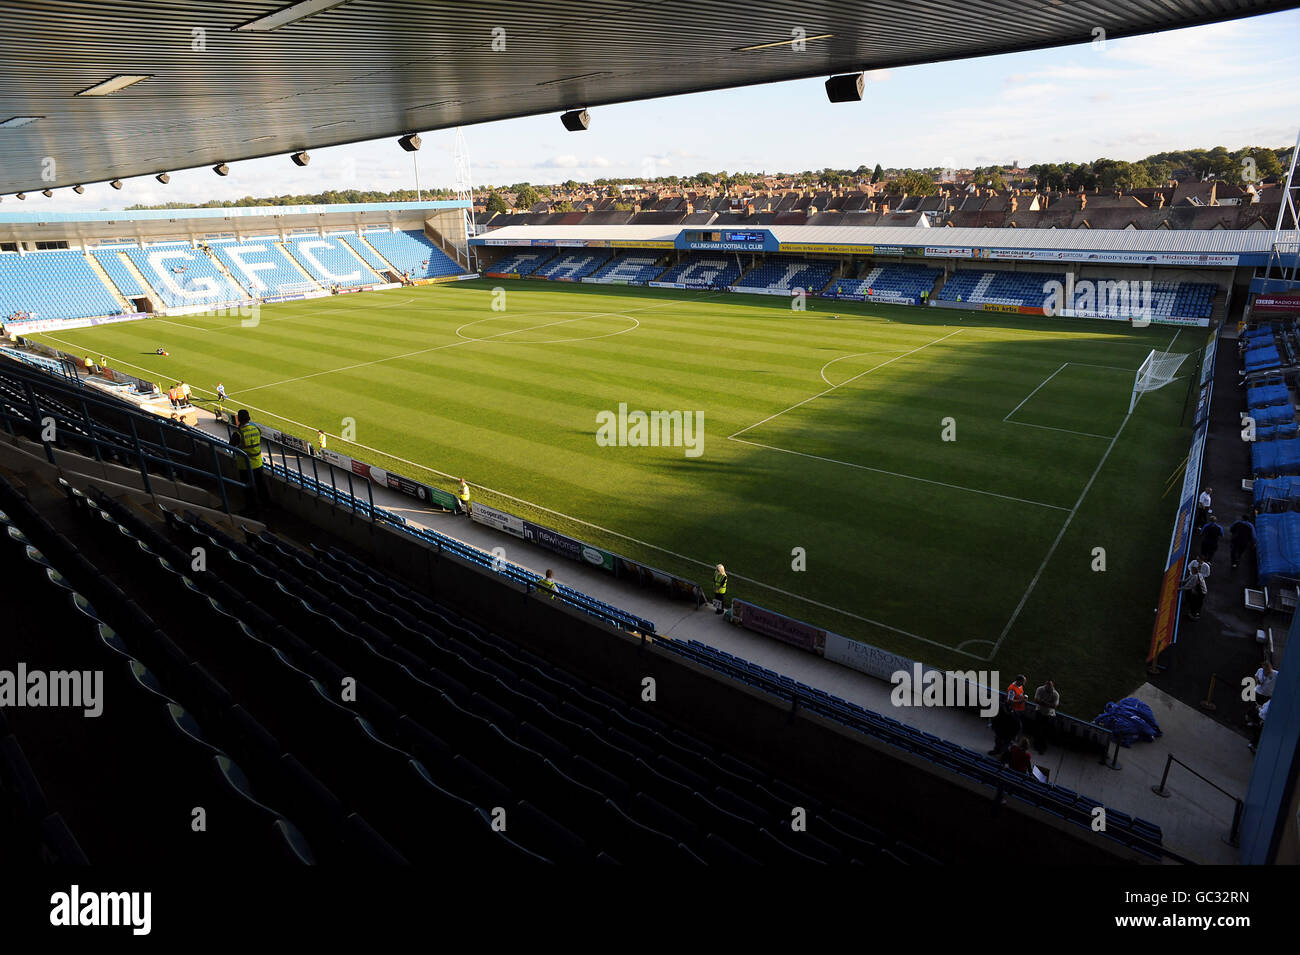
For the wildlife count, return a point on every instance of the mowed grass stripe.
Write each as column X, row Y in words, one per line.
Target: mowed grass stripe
column 938, row 562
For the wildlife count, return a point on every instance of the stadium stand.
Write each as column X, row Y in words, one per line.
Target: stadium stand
column 703, row 271
column 54, row 284
column 412, row 252
column 571, row 266
column 259, row 265
column 363, row 249
column 199, row 281
column 786, row 272
column 999, row 288
column 329, row 262
column 520, row 263
column 630, row 267
column 893, row 283
column 111, row 261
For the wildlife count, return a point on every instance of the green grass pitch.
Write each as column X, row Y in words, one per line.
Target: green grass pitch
column 823, row 430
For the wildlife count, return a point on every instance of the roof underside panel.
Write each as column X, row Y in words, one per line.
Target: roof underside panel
column 365, row 69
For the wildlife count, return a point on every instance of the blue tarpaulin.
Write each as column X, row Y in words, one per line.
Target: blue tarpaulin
column 1276, row 457
column 1266, row 357
column 1273, row 414
column 1261, row 395
column 1277, row 546
column 1131, row 719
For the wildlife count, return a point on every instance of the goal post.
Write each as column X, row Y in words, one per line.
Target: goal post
column 1157, row 370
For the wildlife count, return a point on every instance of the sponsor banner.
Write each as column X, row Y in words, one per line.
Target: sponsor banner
column 1165, row 630
column 888, row 295
column 348, row 290
column 786, row 629
column 507, row 241
column 35, row 326
column 844, row 297
column 336, row 459
column 408, row 487
column 651, row 244
column 673, row 285
column 503, row 275
column 497, row 520
column 784, row 292
column 888, row 250
column 865, row 658
column 811, row 247
column 647, row 576
column 568, row 547
column 948, row 252
column 1001, row 308
column 1276, row 303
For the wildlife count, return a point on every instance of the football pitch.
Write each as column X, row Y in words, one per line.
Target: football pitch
column 936, row 482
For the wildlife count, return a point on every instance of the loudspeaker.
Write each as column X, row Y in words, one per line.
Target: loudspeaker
column 300, row 158
column 410, row 143
column 163, row 178
column 576, row 120
column 221, row 169
column 845, row 88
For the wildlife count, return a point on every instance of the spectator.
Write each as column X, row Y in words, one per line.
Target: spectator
column 719, row 589
column 1242, row 533
column 1016, row 696
column 1265, row 677
column 1006, row 726
column 1018, row 756
column 1203, row 503
column 1211, row 534
column 1047, row 699
column 548, row 582
column 1196, row 586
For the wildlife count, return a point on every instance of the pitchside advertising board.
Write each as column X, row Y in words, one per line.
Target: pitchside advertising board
column 854, row 654
column 576, row 550
column 1165, row 631
column 1277, row 303
column 375, row 475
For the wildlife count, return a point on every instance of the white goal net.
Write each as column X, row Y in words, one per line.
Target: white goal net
column 1158, row 370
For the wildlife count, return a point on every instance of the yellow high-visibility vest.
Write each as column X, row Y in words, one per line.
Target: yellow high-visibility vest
column 250, row 439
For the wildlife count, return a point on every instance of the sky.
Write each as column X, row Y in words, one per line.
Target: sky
column 1228, row 84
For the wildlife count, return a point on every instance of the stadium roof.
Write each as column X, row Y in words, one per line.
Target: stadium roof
column 1092, row 240
column 222, row 80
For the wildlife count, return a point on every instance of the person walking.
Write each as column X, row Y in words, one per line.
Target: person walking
column 221, row 392
column 1211, row 534
column 320, row 441
column 1204, row 503
column 247, row 437
column 719, row 589
column 1196, row 586
column 1242, row 534
column 462, row 497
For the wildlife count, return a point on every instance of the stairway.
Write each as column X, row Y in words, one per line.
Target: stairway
column 307, row 278
column 366, row 242
column 229, row 276
column 154, row 301
column 123, row 302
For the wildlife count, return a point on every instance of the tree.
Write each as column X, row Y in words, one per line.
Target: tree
column 876, row 174
column 911, row 183
column 495, row 203
column 525, row 197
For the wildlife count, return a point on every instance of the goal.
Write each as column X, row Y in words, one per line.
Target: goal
column 1158, row 370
